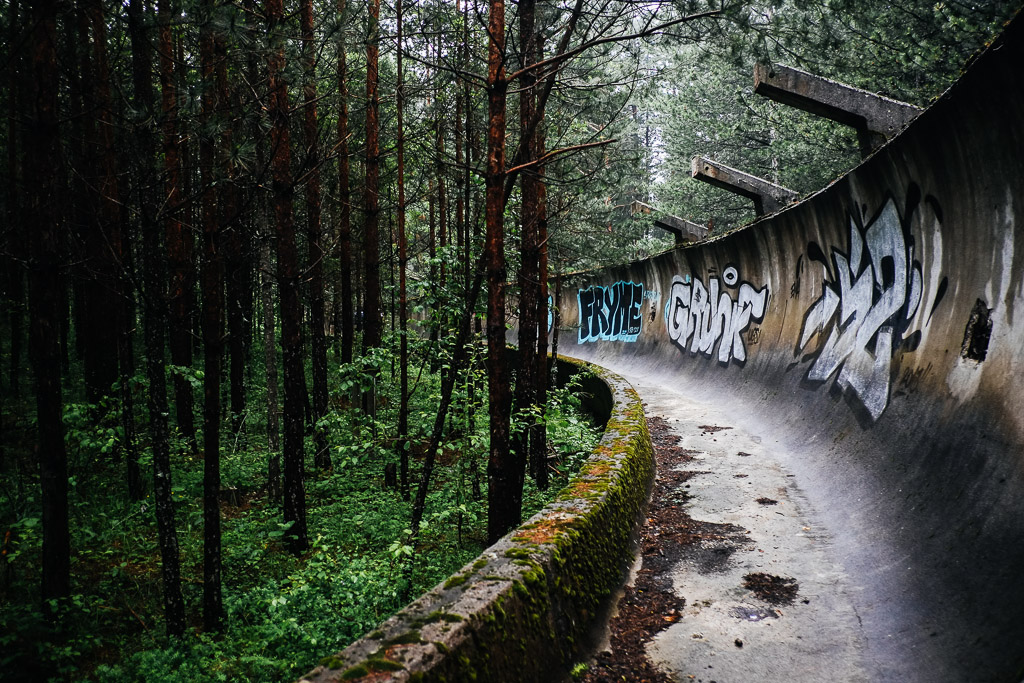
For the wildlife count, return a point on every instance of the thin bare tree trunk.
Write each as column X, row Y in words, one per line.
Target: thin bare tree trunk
column 212, row 312
column 156, row 319
column 42, row 147
column 504, row 501
column 345, row 202
column 14, row 278
column 179, row 242
column 142, row 84
column 372, row 329
column 538, row 436
column 270, row 362
column 287, row 284
column 314, row 240
column 526, row 381
column 403, row 304
column 104, row 322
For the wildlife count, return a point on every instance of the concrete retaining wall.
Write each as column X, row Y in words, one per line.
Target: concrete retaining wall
column 525, row 610
column 876, row 327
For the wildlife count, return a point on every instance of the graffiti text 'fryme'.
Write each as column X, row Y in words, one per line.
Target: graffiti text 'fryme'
column 610, row 313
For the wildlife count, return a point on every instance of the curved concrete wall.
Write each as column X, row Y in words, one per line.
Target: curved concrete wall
column 877, row 329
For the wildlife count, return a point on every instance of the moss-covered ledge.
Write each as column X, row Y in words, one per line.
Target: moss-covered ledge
column 525, row 609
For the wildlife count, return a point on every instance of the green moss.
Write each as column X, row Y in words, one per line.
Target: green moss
column 456, row 580
column 332, row 662
column 441, row 647
column 479, row 564
column 409, row 638
column 381, row 665
column 357, row 671
column 438, row 615
column 376, row 635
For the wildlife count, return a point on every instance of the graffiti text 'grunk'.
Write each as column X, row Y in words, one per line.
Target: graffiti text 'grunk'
column 703, row 316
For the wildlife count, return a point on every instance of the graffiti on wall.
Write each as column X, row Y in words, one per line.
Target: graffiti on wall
column 712, row 319
column 869, row 297
column 612, row 313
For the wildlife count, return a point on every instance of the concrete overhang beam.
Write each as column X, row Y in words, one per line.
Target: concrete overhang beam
column 684, row 230
column 767, row 196
column 875, row 118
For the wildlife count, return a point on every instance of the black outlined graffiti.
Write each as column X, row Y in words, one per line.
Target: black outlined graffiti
column 610, row 313
column 703, row 316
column 866, row 306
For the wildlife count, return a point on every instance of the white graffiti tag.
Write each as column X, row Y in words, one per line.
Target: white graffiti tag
column 875, row 292
column 702, row 316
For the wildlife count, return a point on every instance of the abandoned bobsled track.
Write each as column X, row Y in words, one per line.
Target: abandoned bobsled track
column 837, row 415
column 873, row 336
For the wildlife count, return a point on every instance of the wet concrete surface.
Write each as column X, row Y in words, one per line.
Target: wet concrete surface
column 768, row 600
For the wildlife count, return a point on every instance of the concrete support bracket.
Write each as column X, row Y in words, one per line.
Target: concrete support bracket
column 767, row 196
column 685, row 231
column 876, row 118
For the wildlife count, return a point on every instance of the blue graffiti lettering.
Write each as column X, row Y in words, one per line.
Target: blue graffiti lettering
column 610, row 313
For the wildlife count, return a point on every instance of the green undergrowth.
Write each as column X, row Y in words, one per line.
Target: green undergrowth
column 283, row 613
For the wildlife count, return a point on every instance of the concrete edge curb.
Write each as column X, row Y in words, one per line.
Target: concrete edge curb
column 525, row 609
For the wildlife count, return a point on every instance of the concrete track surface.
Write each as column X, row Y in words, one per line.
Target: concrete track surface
column 866, row 346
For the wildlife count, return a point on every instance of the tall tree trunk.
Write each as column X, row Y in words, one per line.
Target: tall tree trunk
column 238, row 280
column 110, row 291
column 155, row 314
column 504, row 501
column 82, row 139
column 372, row 328
column 526, row 381
column 103, row 320
column 314, row 240
column 270, row 361
column 15, row 275
column 211, row 50
column 178, row 239
column 42, row 159
column 403, row 304
column 538, row 436
column 346, row 326
column 237, row 248
column 442, row 197
column 460, row 203
column 144, row 102
column 467, row 185
column 288, row 284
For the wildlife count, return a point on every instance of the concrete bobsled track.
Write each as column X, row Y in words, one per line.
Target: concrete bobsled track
column 874, row 335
